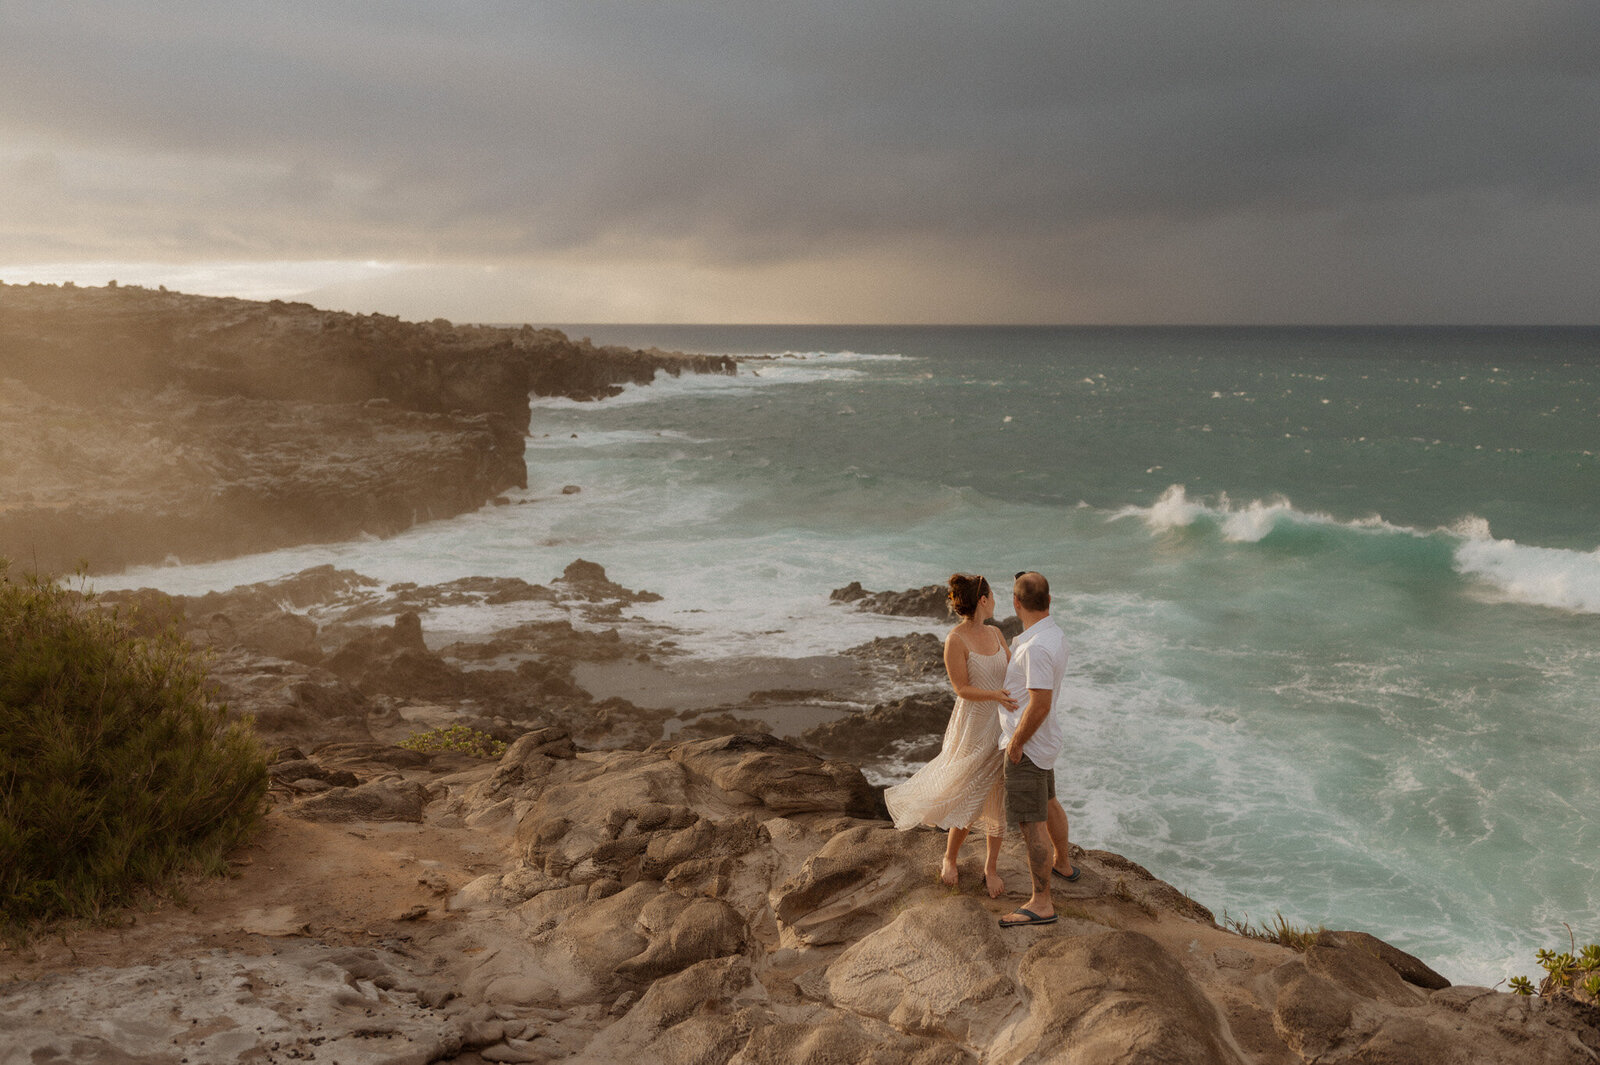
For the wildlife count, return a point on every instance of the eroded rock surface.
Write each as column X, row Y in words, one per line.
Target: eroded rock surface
column 732, row 900
column 600, row 893
column 330, row 655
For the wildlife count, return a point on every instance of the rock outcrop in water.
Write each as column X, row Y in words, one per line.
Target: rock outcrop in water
column 137, row 425
column 931, row 601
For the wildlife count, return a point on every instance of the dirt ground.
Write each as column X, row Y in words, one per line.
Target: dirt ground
column 352, row 884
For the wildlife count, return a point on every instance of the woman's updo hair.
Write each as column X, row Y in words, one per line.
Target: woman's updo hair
column 965, row 591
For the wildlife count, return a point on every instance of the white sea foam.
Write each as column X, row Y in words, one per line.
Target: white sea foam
column 1251, row 523
column 759, row 359
column 1539, row 576
column 1248, row 522
column 1173, row 510
column 1505, row 570
column 611, row 438
column 753, row 373
column 665, row 387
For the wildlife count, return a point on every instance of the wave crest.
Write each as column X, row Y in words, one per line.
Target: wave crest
column 1545, row 576
column 1504, row 570
column 1248, row 523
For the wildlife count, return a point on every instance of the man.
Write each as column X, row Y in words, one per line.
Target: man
column 1031, row 737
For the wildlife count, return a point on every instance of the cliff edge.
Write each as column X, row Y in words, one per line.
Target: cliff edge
column 618, row 883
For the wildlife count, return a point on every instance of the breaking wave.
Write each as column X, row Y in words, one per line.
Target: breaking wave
column 1503, row 570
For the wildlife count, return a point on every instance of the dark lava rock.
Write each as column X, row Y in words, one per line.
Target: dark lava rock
column 868, row 737
column 396, row 661
column 917, row 656
column 929, row 602
column 587, row 580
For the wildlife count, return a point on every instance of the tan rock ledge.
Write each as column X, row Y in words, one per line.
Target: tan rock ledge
column 733, row 899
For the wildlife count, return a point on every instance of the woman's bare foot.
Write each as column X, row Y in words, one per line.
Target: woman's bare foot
column 948, row 873
column 992, row 881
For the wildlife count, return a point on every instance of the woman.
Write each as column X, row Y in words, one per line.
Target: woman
column 964, row 785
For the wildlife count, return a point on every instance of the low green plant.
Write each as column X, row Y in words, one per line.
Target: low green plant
column 117, row 770
column 458, row 738
column 1574, row 973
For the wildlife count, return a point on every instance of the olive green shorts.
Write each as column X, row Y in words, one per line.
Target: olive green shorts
column 1029, row 790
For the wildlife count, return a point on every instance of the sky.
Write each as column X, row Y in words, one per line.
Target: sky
column 903, row 161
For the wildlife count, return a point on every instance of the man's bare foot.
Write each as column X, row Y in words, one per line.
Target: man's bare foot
column 948, row 873
column 992, row 881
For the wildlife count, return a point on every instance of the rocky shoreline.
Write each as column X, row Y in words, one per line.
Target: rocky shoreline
column 669, row 861
column 630, row 882
column 138, row 424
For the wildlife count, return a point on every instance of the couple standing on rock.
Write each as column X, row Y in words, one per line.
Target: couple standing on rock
column 997, row 762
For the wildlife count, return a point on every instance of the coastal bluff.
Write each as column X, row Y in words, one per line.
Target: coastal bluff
column 627, row 884
column 735, row 901
column 139, row 424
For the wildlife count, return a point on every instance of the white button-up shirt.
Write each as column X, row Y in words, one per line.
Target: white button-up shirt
column 1038, row 660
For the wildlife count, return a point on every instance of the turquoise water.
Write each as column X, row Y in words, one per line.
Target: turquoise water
column 1333, row 595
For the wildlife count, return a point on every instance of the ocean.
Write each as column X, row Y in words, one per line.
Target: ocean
column 1332, row 595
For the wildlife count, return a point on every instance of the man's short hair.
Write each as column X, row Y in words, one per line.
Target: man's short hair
column 1032, row 591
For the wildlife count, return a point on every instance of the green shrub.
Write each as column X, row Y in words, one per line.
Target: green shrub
column 455, row 738
column 117, row 772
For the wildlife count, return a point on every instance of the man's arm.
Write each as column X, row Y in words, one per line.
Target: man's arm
column 1033, row 716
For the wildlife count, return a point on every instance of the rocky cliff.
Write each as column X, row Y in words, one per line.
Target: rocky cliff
column 138, row 424
column 604, row 892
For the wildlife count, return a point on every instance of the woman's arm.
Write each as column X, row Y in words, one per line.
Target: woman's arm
column 955, row 666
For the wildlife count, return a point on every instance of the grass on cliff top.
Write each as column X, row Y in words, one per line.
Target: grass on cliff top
column 1280, row 931
column 117, row 771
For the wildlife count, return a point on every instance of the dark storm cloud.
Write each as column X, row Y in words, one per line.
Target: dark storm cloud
column 1171, row 157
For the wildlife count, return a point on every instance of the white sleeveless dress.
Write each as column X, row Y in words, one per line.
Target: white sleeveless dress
column 964, row 785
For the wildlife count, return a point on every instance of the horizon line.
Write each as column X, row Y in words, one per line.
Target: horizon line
column 564, row 324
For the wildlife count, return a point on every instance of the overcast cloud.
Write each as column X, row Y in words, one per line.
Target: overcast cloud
column 1271, row 161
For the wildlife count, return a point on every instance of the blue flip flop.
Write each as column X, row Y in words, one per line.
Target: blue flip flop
column 1076, row 872
column 1033, row 918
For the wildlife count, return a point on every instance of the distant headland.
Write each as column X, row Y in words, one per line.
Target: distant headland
column 138, row 424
